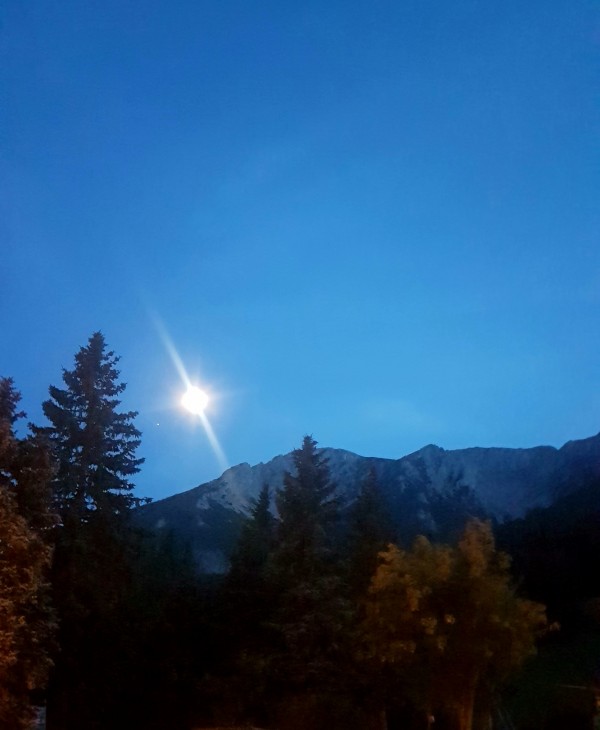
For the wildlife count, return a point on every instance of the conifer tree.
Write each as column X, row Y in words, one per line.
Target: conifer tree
column 94, row 446
column 26, row 619
column 370, row 530
column 248, row 591
column 313, row 611
column 308, row 508
column 93, row 443
column 247, row 606
column 255, row 544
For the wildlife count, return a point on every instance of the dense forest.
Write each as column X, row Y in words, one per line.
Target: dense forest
column 325, row 619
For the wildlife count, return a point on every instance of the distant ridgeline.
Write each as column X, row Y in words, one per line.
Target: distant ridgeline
column 430, row 492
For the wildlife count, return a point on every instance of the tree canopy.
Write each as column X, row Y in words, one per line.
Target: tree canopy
column 449, row 621
column 26, row 619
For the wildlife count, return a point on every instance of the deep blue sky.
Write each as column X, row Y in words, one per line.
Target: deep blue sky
column 376, row 222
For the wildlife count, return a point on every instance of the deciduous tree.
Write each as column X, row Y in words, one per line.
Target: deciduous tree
column 26, row 619
column 450, row 622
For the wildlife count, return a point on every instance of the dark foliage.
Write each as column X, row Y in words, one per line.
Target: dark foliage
column 147, row 641
column 94, row 447
column 93, row 443
column 308, row 509
column 452, row 507
column 26, row 617
column 370, row 529
column 556, row 552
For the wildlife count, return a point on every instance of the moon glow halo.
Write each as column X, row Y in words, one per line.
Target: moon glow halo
column 194, row 400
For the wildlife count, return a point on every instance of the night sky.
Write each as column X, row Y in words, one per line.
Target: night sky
column 376, row 222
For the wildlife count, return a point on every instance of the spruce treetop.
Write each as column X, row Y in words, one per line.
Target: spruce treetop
column 309, row 493
column 307, row 507
column 93, row 443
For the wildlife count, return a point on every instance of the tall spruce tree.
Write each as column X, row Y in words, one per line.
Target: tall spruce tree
column 93, row 443
column 94, row 446
column 26, row 618
column 313, row 611
column 308, row 509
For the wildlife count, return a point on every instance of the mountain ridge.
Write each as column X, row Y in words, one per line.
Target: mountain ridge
column 419, row 488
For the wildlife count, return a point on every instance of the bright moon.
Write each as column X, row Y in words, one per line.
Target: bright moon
column 194, row 400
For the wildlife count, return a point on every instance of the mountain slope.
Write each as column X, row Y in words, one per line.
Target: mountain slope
column 427, row 491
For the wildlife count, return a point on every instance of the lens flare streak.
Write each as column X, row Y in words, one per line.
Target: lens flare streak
column 214, row 442
column 189, row 387
column 172, row 352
